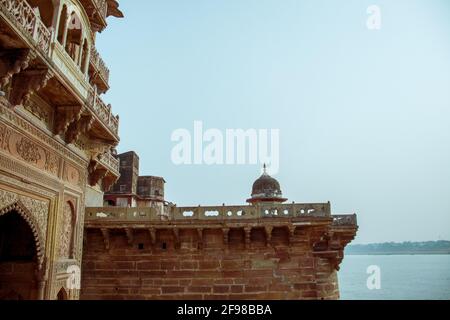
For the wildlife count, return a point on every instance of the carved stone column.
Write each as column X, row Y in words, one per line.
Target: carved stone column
column 42, row 279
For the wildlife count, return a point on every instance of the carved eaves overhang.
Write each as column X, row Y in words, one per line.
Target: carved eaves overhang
column 96, row 10
column 113, row 9
column 99, row 10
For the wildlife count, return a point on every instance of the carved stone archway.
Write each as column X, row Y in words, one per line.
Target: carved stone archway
column 27, row 216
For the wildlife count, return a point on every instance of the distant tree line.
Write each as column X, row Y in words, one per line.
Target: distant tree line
column 429, row 247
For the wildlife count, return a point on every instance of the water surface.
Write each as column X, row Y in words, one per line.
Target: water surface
column 405, row 277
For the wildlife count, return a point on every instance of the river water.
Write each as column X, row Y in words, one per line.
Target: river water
column 404, row 277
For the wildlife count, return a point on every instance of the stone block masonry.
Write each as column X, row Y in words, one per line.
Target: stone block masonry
column 266, row 259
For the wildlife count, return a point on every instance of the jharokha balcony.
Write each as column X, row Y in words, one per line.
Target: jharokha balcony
column 48, row 49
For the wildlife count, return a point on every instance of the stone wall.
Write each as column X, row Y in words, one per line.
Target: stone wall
column 134, row 268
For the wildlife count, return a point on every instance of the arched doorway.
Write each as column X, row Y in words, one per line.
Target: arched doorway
column 62, row 26
column 74, row 38
column 62, row 295
column 18, row 258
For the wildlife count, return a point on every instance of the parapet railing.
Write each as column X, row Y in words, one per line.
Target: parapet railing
column 103, row 111
column 345, row 220
column 320, row 210
column 98, row 62
column 24, row 18
column 111, row 162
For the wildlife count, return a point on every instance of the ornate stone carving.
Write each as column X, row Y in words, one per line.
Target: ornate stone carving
column 29, row 151
column 96, row 173
column 5, row 134
column 65, row 115
column 12, row 62
column 26, row 83
column 108, row 182
column 66, row 231
column 18, row 122
column 72, row 175
column 35, row 212
column 51, row 163
column 76, row 128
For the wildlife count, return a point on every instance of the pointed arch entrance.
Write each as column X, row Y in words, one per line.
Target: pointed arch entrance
column 62, row 295
column 20, row 254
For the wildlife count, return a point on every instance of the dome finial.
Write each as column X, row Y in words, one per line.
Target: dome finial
column 266, row 189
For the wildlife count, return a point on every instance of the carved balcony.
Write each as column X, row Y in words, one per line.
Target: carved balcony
column 104, row 169
column 98, row 70
column 97, row 11
column 25, row 22
column 105, row 116
column 35, row 61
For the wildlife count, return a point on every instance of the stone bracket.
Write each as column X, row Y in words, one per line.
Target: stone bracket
column 226, row 232
column 268, row 230
column 176, row 237
column 200, row 238
column 291, row 230
column 78, row 127
column 130, row 235
column 64, row 116
column 105, row 233
column 25, row 83
column 95, row 173
column 12, row 62
column 108, row 182
column 152, row 233
column 248, row 234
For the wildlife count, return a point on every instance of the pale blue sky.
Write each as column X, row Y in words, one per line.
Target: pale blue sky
column 364, row 115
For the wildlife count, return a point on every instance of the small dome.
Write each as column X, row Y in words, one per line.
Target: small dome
column 266, row 189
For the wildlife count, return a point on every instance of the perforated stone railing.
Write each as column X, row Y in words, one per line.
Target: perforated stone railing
column 251, row 212
column 122, row 214
column 345, row 220
column 24, row 18
column 111, row 162
column 99, row 64
column 104, row 112
column 212, row 213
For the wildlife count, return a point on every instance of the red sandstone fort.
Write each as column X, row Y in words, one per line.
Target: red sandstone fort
column 69, row 203
column 151, row 249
